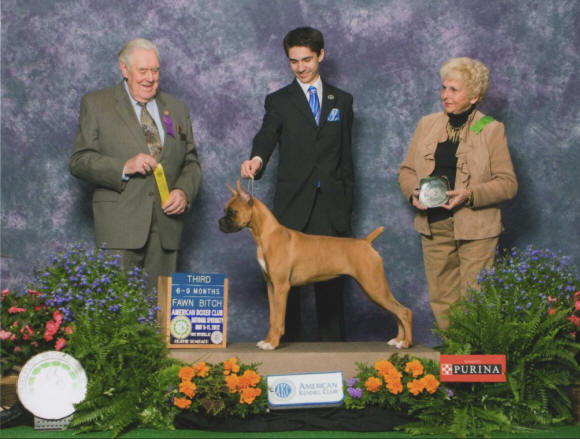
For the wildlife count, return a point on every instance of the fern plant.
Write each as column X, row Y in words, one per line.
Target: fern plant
column 122, row 359
column 521, row 309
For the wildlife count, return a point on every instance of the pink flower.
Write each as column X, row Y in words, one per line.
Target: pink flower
column 552, row 299
column 28, row 329
column 33, row 293
column 577, row 305
column 574, row 319
column 68, row 330
column 52, row 327
column 5, row 292
column 17, row 349
column 14, row 310
column 60, row 343
column 57, row 316
column 576, row 295
column 48, row 336
column 551, row 311
column 5, row 335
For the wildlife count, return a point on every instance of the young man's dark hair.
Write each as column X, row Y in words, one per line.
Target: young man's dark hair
column 304, row 37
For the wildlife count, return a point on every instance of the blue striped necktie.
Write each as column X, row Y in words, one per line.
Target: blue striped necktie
column 314, row 104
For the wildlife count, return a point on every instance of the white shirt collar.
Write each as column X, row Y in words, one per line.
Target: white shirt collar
column 317, row 84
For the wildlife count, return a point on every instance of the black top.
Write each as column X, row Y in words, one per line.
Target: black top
column 446, row 162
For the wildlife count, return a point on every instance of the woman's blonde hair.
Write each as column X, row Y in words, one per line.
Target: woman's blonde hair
column 471, row 72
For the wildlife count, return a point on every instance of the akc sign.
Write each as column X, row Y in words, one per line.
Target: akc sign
column 472, row 368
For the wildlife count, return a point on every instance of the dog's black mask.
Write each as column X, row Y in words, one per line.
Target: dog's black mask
column 227, row 223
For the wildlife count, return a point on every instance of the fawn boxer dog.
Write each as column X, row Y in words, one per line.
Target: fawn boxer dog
column 289, row 258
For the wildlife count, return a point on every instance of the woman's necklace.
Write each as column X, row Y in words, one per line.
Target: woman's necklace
column 456, row 122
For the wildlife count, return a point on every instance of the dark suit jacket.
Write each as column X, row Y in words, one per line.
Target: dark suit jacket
column 309, row 154
column 109, row 134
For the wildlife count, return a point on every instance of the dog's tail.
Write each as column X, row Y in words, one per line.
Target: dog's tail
column 372, row 236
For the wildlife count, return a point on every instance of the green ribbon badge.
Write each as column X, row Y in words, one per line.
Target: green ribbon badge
column 480, row 124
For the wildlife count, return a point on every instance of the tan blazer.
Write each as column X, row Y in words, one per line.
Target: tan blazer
column 109, row 134
column 483, row 164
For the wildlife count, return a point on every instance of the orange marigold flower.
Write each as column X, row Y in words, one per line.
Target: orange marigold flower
column 231, row 365
column 416, row 387
column 186, row 373
column 384, row 367
column 430, row 382
column 249, row 379
column 188, row 388
column 395, row 386
column 232, row 382
column 248, row 395
column 201, row 369
column 393, row 375
column 182, row 403
column 373, row 384
column 415, row 367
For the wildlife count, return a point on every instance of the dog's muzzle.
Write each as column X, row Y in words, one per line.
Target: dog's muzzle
column 228, row 226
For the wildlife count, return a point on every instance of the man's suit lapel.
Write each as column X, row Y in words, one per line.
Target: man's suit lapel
column 299, row 100
column 127, row 114
column 328, row 102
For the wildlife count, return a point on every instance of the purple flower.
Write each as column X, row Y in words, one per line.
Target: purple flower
column 354, row 392
column 351, row 382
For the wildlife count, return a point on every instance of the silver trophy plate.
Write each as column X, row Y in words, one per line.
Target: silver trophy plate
column 432, row 191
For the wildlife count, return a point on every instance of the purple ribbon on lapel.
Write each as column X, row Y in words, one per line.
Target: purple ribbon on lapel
column 168, row 124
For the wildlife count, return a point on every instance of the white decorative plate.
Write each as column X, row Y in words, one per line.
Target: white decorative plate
column 50, row 383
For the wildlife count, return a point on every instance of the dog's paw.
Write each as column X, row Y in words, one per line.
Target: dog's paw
column 399, row 344
column 265, row 345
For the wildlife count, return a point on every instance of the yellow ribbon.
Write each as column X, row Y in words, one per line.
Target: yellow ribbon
column 161, row 183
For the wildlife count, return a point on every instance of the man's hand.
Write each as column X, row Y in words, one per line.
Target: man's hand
column 250, row 167
column 141, row 163
column 176, row 204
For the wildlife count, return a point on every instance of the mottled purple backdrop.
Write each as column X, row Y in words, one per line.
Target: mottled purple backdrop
column 223, row 56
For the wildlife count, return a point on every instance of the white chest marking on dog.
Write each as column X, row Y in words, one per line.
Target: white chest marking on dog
column 262, row 265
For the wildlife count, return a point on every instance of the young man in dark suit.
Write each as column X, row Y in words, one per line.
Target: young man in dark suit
column 311, row 122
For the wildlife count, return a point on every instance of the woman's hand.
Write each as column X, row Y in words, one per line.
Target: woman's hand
column 415, row 200
column 457, row 197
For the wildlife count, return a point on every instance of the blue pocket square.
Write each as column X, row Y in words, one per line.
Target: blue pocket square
column 334, row 115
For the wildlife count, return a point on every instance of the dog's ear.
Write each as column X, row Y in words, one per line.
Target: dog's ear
column 234, row 193
column 243, row 194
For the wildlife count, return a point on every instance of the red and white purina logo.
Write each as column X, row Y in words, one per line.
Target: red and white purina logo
column 472, row 368
column 446, row 369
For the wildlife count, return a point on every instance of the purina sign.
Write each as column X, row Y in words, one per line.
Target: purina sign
column 472, row 368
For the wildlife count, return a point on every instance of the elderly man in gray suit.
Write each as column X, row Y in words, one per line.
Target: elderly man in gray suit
column 124, row 133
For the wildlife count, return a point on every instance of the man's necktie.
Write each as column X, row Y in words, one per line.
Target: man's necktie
column 151, row 132
column 314, row 104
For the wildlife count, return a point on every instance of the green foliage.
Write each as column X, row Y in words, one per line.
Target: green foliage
column 522, row 309
column 122, row 362
column 115, row 338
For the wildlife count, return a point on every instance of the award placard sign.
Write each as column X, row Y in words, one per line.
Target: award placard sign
column 197, row 310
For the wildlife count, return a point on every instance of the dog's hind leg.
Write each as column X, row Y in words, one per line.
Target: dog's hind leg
column 377, row 288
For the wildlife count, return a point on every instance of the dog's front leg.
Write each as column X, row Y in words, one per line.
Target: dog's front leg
column 277, row 297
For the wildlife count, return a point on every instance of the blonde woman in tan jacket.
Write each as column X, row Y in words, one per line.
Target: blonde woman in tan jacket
column 469, row 150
